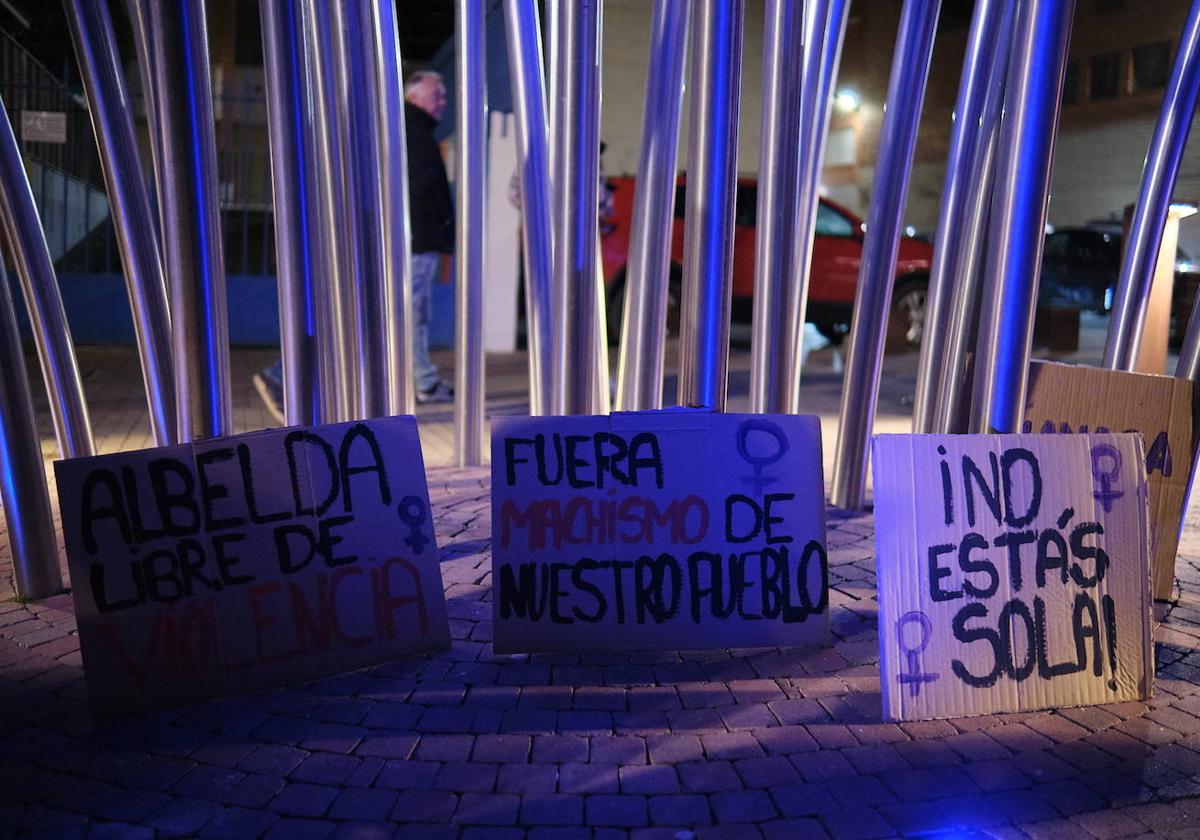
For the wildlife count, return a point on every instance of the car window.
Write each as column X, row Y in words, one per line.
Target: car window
column 1056, row 247
column 832, row 223
column 1095, row 250
column 745, row 205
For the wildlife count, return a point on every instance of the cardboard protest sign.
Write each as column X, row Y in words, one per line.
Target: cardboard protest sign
column 657, row 530
column 1013, row 572
column 1071, row 398
column 213, row 568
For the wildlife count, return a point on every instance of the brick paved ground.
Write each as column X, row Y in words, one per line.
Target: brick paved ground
column 775, row 743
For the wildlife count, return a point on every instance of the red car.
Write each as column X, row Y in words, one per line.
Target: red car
column 837, row 251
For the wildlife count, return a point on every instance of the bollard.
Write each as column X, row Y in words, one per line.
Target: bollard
column 864, row 358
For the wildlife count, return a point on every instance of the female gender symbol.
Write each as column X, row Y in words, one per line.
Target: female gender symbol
column 758, row 479
column 914, row 678
column 412, row 513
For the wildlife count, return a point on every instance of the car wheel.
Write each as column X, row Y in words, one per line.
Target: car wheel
column 616, row 305
column 906, row 323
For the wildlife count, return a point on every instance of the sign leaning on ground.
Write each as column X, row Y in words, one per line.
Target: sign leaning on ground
column 1073, row 398
column 1013, row 572
column 232, row 564
column 657, row 530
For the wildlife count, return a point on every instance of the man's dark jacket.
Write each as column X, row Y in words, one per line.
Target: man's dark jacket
column 428, row 187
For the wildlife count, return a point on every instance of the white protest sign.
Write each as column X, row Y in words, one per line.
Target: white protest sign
column 218, row 567
column 1013, row 572
column 657, row 530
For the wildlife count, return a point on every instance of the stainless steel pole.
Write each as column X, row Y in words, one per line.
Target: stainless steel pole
column 716, row 70
column 388, row 116
column 39, row 286
column 1159, row 174
column 31, row 534
column 644, row 316
column 778, row 197
column 576, row 138
column 1024, row 152
column 471, row 200
column 330, row 221
column 139, row 19
column 953, row 393
column 133, row 219
column 1188, row 366
column 194, row 256
column 824, row 33
column 298, row 264
column 529, row 104
column 897, row 141
column 989, row 19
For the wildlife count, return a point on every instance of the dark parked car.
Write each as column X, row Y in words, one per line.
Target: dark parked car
column 1080, row 268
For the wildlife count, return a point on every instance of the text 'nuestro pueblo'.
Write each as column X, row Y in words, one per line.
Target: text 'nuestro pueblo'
column 1013, row 572
column 658, row 530
column 232, row 564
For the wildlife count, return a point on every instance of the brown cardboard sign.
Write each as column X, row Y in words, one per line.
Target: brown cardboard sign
column 222, row 566
column 1013, row 572
column 658, row 530
column 1073, row 398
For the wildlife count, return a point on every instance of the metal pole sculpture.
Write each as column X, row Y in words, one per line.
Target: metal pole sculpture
column 864, row 359
column 824, row 32
column 1161, row 170
column 292, row 187
column 139, row 19
column 31, row 535
column 712, row 182
column 529, row 106
column 953, row 388
column 471, row 201
column 39, row 286
column 331, row 222
column 388, row 115
column 1016, row 232
column 969, row 134
column 577, row 142
column 644, row 318
column 133, row 219
column 1188, row 366
column 778, row 196
column 194, row 257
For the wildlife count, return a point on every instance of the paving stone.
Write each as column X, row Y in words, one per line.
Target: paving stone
column 551, row 809
column 648, row 779
column 487, row 809
column 300, row 829
column 298, row 799
column 237, row 823
column 527, row 778
column 588, row 778
column 622, row 810
column 742, row 806
column 363, row 804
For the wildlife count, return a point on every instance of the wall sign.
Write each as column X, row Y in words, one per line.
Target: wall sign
column 657, row 530
column 227, row 565
column 1013, row 572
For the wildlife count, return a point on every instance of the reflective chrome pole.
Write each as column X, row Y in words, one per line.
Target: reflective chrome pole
column 471, row 200
column 991, row 21
column 1188, row 366
column 194, row 257
column 1024, row 152
column 778, row 196
column 529, row 105
column 139, row 19
column 897, row 141
column 716, row 70
column 31, row 534
column 824, row 32
column 330, row 221
column 1159, row 174
column 644, row 318
column 133, row 220
column 39, row 286
column 296, row 258
column 388, row 115
column 576, row 138
column 953, row 393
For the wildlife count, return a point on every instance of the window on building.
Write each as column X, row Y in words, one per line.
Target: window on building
column 1105, row 75
column 1151, row 66
column 247, row 35
column 1071, row 82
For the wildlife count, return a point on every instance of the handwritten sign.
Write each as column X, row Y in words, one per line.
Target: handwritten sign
column 657, row 530
column 232, row 564
column 1073, row 398
column 1013, row 572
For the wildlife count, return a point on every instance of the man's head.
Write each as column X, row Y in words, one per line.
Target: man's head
column 427, row 91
